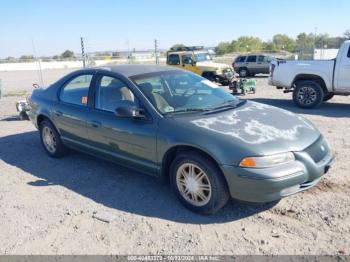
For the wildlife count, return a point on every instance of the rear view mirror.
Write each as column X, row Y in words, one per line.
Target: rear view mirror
column 130, row 112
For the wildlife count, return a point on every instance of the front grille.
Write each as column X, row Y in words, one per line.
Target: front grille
column 318, row 150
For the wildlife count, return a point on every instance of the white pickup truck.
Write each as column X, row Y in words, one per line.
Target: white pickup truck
column 313, row 82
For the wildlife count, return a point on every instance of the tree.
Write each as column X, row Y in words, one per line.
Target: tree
column 248, row 43
column 67, row 54
column 283, row 42
column 26, row 57
column 269, row 46
column 305, row 41
column 223, row 48
column 176, row 46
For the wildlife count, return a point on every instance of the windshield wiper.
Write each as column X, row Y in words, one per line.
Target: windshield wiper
column 188, row 110
column 225, row 105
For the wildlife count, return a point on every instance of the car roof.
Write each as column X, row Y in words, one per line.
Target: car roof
column 133, row 70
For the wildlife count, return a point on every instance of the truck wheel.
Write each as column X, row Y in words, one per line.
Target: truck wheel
column 327, row 97
column 243, row 72
column 308, row 94
column 198, row 183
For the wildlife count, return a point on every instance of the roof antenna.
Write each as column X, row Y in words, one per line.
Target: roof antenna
column 40, row 73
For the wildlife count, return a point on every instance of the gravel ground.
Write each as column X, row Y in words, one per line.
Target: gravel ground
column 50, row 206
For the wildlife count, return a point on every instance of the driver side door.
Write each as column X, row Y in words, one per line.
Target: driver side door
column 127, row 141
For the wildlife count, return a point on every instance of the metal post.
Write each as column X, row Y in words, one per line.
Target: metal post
column 82, row 51
column 156, row 51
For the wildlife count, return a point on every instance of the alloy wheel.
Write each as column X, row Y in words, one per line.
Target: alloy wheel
column 307, row 95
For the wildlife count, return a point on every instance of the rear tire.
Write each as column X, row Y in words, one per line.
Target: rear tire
column 308, row 94
column 198, row 183
column 51, row 140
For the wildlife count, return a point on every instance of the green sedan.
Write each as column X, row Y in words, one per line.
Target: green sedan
column 180, row 127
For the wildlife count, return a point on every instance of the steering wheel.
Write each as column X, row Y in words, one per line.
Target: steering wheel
column 188, row 90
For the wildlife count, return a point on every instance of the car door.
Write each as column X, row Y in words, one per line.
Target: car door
column 188, row 63
column 70, row 112
column 252, row 64
column 263, row 64
column 343, row 72
column 128, row 141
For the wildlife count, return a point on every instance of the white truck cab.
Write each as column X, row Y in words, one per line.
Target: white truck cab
column 313, row 82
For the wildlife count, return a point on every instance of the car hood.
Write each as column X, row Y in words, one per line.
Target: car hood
column 253, row 128
column 212, row 65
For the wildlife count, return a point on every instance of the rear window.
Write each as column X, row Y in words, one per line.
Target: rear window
column 173, row 59
column 76, row 90
column 240, row 59
column 251, row 59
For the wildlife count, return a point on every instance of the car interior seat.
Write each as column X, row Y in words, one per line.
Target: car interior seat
column 156, row 99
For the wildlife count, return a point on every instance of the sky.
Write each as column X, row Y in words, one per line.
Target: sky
column 56, row 25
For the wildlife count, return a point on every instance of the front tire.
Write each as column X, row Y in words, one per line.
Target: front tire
column 51, row 140
column 243, row 72
column 308, row 94
column 198, row 183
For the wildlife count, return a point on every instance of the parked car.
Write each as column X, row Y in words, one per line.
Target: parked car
column 313, row 82
column 177, row 125
column 198, row 60
column 249, row 65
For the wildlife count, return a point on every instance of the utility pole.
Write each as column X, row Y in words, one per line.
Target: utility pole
column 82, row 51
column 156, row 51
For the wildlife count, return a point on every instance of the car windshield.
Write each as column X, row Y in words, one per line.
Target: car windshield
column 178, row 92
column 200, row 57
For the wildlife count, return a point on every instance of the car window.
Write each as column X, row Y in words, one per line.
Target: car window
column 180, row 91
column 174, row 59
column 112, row 93
column 76, row 91
column 349, row 52
column 186, row 59
column 251, row 59
column 261, row 59
column 240, row 59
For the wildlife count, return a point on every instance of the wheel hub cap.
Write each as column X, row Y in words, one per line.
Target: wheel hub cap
column 49, row 139
column 193, row 184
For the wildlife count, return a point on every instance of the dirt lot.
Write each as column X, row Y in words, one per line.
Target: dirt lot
column 47, row 206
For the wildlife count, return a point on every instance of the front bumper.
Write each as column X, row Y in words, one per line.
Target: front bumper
column 270, row 184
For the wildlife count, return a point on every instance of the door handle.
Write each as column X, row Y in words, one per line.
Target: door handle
column 58, row 113
column 95, row 124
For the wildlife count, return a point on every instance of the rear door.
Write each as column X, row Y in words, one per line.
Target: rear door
column 70, row 112
column 127, row 141
column 188, row 63
column 263, row 64
column 343, row 72
column 251, row 63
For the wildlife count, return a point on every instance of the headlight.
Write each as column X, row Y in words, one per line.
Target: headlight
column 267, row 161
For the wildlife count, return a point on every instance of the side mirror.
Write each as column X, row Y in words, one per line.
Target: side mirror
column 35, row 85
column 130, row 112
